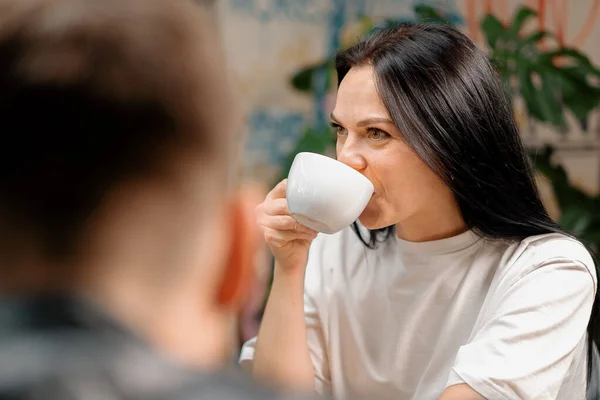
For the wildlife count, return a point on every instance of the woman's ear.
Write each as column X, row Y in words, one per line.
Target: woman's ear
column 239, row 272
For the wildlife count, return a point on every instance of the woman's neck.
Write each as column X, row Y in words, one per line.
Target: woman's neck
column 440, row 222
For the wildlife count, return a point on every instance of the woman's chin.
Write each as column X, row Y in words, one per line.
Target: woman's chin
column 374, row 217
column 370, row 221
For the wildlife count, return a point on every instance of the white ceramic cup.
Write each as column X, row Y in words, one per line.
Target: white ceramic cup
column 324, row 194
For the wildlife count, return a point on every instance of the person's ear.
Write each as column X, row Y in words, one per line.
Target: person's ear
column 244, row 236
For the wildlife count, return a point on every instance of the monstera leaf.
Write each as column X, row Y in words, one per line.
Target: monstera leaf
column 580, row 212
column 549, row 82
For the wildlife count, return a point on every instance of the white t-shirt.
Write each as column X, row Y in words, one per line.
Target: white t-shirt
column 407, row 320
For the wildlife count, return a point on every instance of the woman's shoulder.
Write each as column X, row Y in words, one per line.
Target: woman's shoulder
column 556, row 246
column 546, row 251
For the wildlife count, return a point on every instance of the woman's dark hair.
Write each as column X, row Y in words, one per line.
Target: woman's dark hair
column 444, row 95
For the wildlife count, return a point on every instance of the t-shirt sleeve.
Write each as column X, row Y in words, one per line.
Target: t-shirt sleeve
column 313, row 291
column 530, row 334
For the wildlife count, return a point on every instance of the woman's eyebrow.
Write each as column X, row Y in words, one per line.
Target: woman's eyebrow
column 367, row 121
column 374, row 120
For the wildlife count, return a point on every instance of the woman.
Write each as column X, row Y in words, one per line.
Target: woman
column 456, row 284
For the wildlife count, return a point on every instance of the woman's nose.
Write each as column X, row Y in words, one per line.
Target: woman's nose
column 350, row 154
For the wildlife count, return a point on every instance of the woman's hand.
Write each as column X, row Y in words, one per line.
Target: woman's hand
column 282, row 356
column 288, row 240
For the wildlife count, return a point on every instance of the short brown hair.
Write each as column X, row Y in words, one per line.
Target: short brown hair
column 93, row 93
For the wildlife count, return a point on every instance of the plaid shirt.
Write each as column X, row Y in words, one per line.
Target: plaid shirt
column 61, row 348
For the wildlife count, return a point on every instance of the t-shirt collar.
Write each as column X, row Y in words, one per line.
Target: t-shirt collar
column 441, row 246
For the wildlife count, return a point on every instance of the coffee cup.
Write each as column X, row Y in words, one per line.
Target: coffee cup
column 324, row 194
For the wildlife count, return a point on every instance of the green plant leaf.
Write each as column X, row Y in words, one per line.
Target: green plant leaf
column 531, row 40
column 573, row 56
column 559, row 88
column 576, row 220
column 505, row 75
column 314, row 141
column 528, row 91
column 429, row 14
column 580, row 212
column 522, row 15
column 303, row 80
column 566, row 194
column 493, row 30
column 549, row 101
column 591, row 236
column 577, row 94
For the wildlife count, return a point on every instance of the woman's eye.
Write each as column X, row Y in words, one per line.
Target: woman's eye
column 339, row 130
column 376, row 134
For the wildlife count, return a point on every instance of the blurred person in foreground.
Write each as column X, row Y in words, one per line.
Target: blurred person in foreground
column 124, row 252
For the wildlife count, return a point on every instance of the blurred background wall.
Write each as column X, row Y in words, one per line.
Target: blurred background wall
column 267, row 41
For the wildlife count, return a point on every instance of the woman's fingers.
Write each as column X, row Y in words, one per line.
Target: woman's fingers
column 279, row 222
column 278, row 191
column 274, row 207
column 284, row 223
column 280, row 238
column 273, row 216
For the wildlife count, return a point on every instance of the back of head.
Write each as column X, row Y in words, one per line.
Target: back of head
column 94, row 94
column 117, row 142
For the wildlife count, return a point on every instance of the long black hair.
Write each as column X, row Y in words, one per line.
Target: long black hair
column 446, row 98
